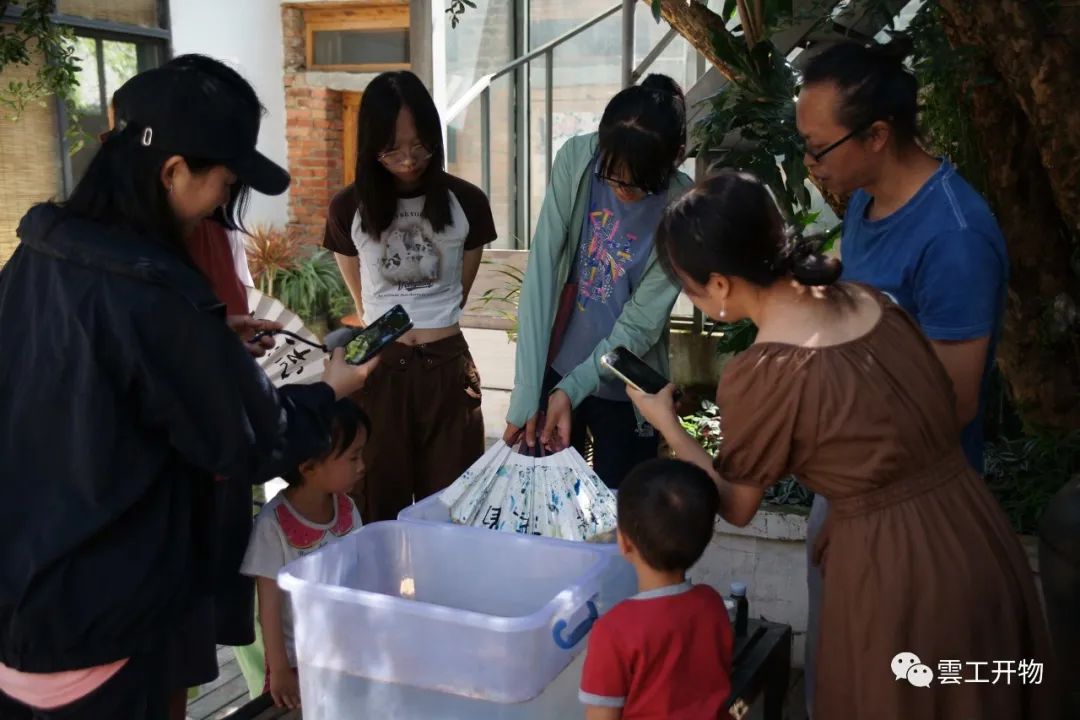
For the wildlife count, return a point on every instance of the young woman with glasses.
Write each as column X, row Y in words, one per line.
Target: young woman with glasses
column 914, row 228
column 409, row 233
column 593, row 282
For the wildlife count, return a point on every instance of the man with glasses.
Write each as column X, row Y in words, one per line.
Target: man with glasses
column 913, row 229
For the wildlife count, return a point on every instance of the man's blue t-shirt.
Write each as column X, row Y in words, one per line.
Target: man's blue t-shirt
column 942, row 258
column 615, row 244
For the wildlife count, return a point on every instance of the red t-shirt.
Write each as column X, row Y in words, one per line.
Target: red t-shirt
column 208, row 246
column 662, row 655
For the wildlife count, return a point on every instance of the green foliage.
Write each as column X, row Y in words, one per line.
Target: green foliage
column 732, row 338
column 36, row 39
column 947, row 77
column 505, row 298
column 1025, row 472
column 705, row 427
column 309, row 286
column 751, row 124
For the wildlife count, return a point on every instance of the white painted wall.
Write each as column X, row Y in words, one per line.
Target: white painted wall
column 245, row 34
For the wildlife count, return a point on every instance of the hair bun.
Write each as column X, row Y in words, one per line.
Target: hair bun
column 659, row 81
column 816, row 269
column 899, row 48
column 803, row 259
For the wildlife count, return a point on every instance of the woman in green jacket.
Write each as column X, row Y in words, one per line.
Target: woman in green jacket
column 593, row 282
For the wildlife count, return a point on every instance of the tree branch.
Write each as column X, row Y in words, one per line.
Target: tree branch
column 695, row 22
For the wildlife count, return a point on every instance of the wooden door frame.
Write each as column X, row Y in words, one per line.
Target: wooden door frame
column 350, row 111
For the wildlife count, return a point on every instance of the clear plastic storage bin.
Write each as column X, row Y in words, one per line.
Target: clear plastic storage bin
column 479, row 614
column 331, row 695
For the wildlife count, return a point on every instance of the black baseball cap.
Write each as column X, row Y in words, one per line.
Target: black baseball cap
column 184, row 110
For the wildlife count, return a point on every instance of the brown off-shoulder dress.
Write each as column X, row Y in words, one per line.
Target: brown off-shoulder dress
column 917, row 555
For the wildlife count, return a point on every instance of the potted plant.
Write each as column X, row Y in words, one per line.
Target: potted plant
column 303, row 277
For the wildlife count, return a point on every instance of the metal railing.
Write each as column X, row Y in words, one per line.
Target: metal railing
column 482, row 89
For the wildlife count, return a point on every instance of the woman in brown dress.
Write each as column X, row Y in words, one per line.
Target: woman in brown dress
column 843, row 391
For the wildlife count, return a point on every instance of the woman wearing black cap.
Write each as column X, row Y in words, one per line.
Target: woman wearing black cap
column 123, row 395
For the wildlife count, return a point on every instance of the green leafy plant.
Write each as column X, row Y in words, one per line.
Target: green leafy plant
column 945, row 89
column 305, row 279
column 1024, row 472
column 704, row 426
column 751, row 123
column 35, row 40
column 309, row 285
column 505, row 299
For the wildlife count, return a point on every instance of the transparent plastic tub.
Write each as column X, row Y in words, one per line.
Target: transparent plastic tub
column 621, row 582
column 465, row 611
column 331, row 695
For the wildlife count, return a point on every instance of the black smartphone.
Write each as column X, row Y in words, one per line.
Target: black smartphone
column 633, row 371
column 364, row 344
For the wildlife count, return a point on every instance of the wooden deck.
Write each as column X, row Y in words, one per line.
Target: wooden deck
column 222, row 696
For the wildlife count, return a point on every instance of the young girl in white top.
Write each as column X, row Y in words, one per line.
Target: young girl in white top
column 406, row 232
column 312, row 511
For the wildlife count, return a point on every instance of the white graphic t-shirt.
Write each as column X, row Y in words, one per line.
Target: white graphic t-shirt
column 412, row 264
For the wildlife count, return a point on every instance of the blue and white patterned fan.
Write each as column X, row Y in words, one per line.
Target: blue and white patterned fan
column 555, row 496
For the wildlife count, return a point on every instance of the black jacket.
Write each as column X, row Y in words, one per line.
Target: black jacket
column 122, row 395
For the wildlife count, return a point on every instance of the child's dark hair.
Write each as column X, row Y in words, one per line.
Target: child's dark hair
column 384, row 98
column 729, row 225
column 345, row 424
column 874, row 85
column 643, row 130
column 666, row 510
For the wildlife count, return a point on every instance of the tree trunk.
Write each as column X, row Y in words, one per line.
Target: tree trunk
column 1042, row 371
column 1039, row 67
column 695, row 22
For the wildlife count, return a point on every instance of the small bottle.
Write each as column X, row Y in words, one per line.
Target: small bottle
column 742, row 607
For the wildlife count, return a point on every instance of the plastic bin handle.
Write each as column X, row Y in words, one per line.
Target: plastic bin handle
column 578, row 633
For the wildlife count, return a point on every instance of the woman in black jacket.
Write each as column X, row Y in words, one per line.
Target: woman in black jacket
column 123, row 395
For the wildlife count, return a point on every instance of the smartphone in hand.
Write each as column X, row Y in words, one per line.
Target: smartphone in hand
column 633, row 371
column 363, row 344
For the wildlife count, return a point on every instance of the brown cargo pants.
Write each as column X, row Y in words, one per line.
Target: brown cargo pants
column 427, row 427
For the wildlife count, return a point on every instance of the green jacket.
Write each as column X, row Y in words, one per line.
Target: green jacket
column 642, row 327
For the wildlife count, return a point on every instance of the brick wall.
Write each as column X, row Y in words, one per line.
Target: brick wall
column 314, row 134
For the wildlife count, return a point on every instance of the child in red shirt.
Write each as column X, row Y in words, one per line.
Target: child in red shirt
column 664, row 654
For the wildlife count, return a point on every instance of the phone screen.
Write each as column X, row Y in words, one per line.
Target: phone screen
column 376, row 336
column 633, row 370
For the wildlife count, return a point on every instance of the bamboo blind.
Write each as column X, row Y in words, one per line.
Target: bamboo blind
column 133, row 12
column 29, row 161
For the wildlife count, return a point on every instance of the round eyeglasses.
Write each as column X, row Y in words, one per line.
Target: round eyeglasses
column 400, row 158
